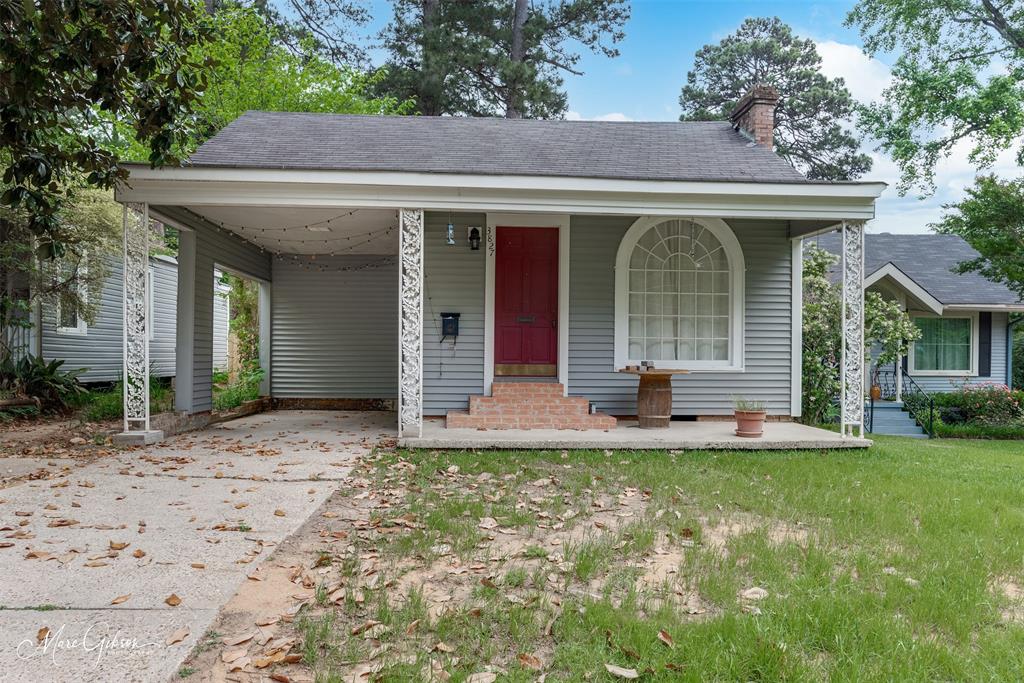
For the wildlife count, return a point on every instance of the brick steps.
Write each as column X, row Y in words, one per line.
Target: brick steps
column 528, row 405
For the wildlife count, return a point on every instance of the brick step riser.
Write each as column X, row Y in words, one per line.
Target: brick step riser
column 527, row 389
column 483, row 405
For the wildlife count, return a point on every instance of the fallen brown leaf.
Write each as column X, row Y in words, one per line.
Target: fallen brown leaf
column 178, row 636
column 173, row 600
column 120, row 598
column 621, row 672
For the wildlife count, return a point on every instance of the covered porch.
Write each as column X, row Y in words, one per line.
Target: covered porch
column 357, row 272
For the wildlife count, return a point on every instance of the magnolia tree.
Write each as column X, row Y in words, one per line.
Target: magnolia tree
column 887, row 328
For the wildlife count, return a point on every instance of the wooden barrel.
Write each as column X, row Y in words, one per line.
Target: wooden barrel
column 654, row 401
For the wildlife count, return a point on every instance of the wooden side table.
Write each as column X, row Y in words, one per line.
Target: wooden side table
column 654, row 396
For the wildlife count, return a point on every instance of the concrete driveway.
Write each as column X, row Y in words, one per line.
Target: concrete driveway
column 113, row 569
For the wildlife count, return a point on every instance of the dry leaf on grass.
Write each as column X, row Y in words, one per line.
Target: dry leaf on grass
column 621, row 672
column 178, row 636
column 484, row 677
column 529, row 661
column 664, row 637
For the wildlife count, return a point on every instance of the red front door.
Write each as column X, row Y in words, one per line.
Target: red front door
column 526, row 301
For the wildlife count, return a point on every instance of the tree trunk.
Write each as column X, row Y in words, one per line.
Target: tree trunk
column 431, row 83
column 517, row 56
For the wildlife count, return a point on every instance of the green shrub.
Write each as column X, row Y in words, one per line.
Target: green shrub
column 33, row 377
column 100, row 405
column 245, row 388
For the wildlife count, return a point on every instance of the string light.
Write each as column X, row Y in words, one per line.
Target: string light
column 327, row 221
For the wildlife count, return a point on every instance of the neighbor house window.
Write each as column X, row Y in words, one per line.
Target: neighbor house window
column 946, row 345
column 69, row 317
column 679, row 295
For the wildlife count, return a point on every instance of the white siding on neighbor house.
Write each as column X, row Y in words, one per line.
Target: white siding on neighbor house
column 768, row 254
column 221, row 314
column 453, row 283
column 216, row 248
column 334, row 334
column 943, row 383
column 100, row 348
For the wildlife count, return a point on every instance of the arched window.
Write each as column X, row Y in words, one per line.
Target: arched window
column 679, row 295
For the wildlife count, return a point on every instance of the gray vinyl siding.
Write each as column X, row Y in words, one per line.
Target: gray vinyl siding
column 454, row 282
column 100, row 348
column 942, row 383
column 221, row 313
column 334, row 333
column 594, row 243
column 216, row 248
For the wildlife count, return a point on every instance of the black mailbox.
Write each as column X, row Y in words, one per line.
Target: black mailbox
column 449, row 325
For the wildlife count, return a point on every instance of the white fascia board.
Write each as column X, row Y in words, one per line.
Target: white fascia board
column 1010, row 308
column 265, row 187
column 907, row 283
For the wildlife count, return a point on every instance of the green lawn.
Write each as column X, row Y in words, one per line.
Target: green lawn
column 901, row 562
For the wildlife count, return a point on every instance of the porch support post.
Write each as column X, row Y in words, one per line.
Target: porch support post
column 184, row 359
column 410, row 322
column 263, row 316
column 135, row 377
column 852, row 366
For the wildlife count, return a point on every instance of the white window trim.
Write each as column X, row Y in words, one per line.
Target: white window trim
column 82, row 328
column 525, row 220
column 737, row 275
column 975, row 334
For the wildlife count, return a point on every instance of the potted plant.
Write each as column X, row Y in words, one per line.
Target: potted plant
column 749, row 417
column 876, row 383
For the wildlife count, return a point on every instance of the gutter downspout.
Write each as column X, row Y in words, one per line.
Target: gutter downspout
column 1009, row 349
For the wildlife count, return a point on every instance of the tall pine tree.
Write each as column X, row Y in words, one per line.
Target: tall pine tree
column 495, row 57
column 809, row 120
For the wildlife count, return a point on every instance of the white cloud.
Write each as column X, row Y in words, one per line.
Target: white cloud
column 611, row 116
column 865, row 76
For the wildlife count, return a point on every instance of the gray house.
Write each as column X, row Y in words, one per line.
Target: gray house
column 964, row 318
column 98, row 347
column 501, row 274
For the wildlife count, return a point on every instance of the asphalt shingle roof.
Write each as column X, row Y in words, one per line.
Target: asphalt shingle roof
column 697, row 151
column 929, row 260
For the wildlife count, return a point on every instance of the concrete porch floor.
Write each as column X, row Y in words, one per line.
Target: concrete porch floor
column 627, row 436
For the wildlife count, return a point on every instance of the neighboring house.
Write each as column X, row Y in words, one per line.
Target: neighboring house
column 568, row 249
column 963, row 317
column 98, row 346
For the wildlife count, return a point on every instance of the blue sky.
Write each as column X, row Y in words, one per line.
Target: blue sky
column 662, row 36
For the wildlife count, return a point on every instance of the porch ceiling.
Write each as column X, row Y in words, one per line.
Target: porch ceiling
column 288, row 230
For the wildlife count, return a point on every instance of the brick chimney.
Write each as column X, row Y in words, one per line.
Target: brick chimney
column 754, row 115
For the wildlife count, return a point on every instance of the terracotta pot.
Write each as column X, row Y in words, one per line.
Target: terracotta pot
column 750, row 423
column 876, row 392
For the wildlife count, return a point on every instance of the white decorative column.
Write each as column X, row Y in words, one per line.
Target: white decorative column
column 852, row 366
column 135, row 377
column 410, row 322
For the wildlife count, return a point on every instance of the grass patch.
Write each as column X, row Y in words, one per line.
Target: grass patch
column 107, row 403
column 228, row 395
column 878, row 564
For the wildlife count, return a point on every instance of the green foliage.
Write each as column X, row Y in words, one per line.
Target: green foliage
column 1018, row 356
column 74, row 280
column 494, row 57
column 244, row 320
column 886, row 326
column 101, row 405
column 33, row 377
column 808, row 129
column 66, row 61
column 991, row 219
column 983, row 411
column 959, row 78
column 245, row 388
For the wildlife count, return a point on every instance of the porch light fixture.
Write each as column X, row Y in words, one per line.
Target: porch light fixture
column 474, row 239
column 451, row 234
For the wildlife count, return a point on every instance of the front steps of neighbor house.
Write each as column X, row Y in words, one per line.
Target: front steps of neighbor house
column 890, row 418
column 528, row 405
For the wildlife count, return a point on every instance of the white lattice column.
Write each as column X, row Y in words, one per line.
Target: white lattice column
column 135, row 377
column 852, row 369
column 410, row 322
